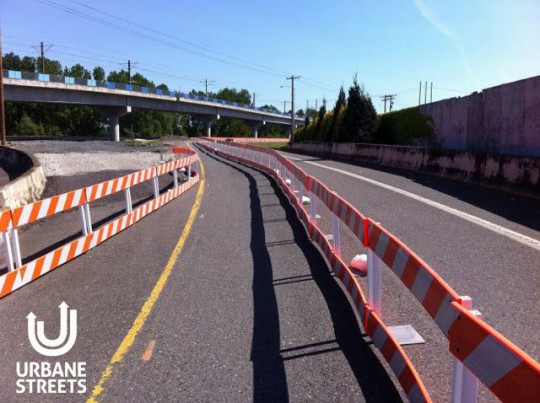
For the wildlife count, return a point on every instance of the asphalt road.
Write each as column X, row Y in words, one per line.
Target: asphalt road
column 500, row 274
column 250, row 311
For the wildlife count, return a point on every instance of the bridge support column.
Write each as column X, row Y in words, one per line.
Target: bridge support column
column 113, row 113
column 207, row 121
column 254, row 126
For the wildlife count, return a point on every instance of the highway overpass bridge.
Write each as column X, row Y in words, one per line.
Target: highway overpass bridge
column 115, row 100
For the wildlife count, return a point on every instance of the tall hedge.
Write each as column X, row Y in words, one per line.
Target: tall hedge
column 405, row 127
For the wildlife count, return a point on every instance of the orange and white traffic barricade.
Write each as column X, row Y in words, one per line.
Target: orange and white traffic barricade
column 481, row 353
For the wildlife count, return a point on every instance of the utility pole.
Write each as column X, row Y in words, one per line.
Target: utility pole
column 388, row 98
column 2, row 116
column 206, row 84
column 420, row 94
column 129, row 67
column 292, row 78
column 425, row 93
column 42, row 52
column 254, row 99
column 284, row 106
column 431, row 93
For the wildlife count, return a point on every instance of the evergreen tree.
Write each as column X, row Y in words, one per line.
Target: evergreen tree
column 360, row 120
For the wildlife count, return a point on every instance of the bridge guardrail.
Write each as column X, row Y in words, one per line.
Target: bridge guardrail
column 25, row 75
column 20, row 273
column 480, row 351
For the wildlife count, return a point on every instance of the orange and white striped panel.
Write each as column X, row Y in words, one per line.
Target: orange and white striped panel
column 109, row 187
column 5, row 220
column 25, row 274
column 499, row 364
column 379, row 333
column 429, row 289
column 397, row 358
column 44, row 208
column 350, row 216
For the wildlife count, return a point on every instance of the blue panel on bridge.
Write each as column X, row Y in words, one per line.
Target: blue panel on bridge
column 43, row 77
column 14, row 74
column 111, row 85
column 91, row 83
column 129, row 87
column 144, row 89
column 69, row 80
column 173, row 94
column 159, row 91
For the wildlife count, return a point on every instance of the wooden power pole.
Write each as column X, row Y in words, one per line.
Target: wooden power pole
column 2, row 114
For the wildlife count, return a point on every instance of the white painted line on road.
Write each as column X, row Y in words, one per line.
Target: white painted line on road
column 498, row 229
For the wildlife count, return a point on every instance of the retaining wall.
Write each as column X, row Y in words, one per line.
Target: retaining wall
column 516, row 174
column 26, row 175
column 499, row 120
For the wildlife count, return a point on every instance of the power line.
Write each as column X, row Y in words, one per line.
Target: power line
column 202, row 51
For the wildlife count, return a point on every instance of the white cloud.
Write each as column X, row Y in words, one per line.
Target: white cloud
column 426, row 10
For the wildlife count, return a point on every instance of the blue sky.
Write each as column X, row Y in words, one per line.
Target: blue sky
column 461, row 46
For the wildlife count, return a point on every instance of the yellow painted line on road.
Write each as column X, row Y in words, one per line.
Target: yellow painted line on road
column 141, row 318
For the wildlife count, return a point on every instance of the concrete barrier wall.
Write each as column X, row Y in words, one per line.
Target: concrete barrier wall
column 499, row 120
column 515, row 174
column 27, row 179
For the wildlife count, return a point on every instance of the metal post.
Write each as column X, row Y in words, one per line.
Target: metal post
column 129, row 205
column 9, row 253
column 464, row 383
column 83, row 220
column 335, row 235
column 312, row 208
column 175, row 178
column 374, row 281
column 16, row 247
column 89, row 228
column 156, row 186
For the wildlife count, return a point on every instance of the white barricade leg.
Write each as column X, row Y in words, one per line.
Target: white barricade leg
column 16, row 247
column 312, row 208
column 336, row 234
column 175, row 178
column 83, row 220
column 156, row 186
column 129, row 204
column 464, row 383
column 88, row 219
column 374, row 281
column 9, row 253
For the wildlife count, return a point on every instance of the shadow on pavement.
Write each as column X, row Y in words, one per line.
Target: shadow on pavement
column 270, row 382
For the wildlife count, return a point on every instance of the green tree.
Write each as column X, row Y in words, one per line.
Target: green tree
column 77, row 71
column 360, row 120
column 98, row 73
column 120, row 77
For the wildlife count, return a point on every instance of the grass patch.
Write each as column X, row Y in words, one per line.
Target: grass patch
column 272, row 145
column 142, row 142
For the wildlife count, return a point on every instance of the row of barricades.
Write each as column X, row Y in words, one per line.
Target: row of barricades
column 20, row 273
column 251, row 139
column 481, row 352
